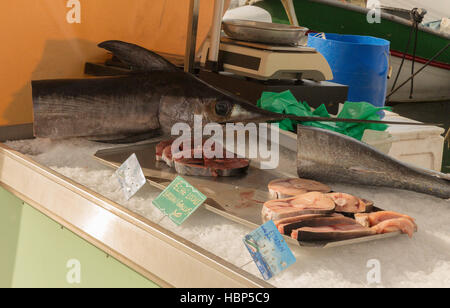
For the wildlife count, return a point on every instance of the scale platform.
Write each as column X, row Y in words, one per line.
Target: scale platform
column 268, row 62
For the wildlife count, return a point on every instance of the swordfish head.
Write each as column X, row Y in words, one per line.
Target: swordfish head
column 196, row 98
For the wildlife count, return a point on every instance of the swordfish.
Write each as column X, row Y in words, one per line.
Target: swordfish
column 140, row 105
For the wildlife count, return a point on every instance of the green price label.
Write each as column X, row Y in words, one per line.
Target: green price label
column 179, row 200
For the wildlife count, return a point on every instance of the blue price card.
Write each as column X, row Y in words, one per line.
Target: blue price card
column 269, row 250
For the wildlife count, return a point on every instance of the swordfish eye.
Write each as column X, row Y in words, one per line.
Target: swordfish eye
column 223, row 108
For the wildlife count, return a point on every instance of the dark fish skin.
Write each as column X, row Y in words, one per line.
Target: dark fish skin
column 287, row 227
column 328, row 156
column 306, row 234
column 305, row 230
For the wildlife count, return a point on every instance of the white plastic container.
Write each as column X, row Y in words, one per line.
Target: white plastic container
column 421, row 146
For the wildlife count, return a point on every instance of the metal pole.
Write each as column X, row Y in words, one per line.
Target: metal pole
column 191, row 40
column 290, row 11
column 421, row 69
column 215, row 33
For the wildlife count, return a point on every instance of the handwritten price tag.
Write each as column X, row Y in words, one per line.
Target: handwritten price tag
column 179, row 200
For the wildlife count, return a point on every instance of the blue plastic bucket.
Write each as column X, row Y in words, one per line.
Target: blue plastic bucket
column 360, row 62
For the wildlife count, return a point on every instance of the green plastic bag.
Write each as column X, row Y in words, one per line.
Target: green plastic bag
column 286, row 103
column 362, row 111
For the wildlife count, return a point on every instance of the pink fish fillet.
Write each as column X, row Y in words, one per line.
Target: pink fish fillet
column 377, row 217
column 285, row 188
column 404, row 225
column 160, row 148
column 309, row 203
column 347, row 203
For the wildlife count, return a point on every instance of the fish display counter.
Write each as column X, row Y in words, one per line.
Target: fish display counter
column 64, row 182
column 89, row 162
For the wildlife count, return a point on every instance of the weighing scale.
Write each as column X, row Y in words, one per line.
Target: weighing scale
column 270, row 62
column 249, row 68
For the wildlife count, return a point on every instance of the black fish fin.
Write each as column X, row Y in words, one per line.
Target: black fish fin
column 132, row 138
column 138, row 58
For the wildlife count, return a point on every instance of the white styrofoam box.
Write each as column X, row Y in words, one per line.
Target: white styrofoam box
column 421, row 146
column 382, row 141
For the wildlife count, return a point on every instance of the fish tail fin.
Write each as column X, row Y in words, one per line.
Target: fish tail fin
column 138, row 58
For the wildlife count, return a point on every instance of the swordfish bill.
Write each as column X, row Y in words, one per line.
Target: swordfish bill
column 328, row 156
